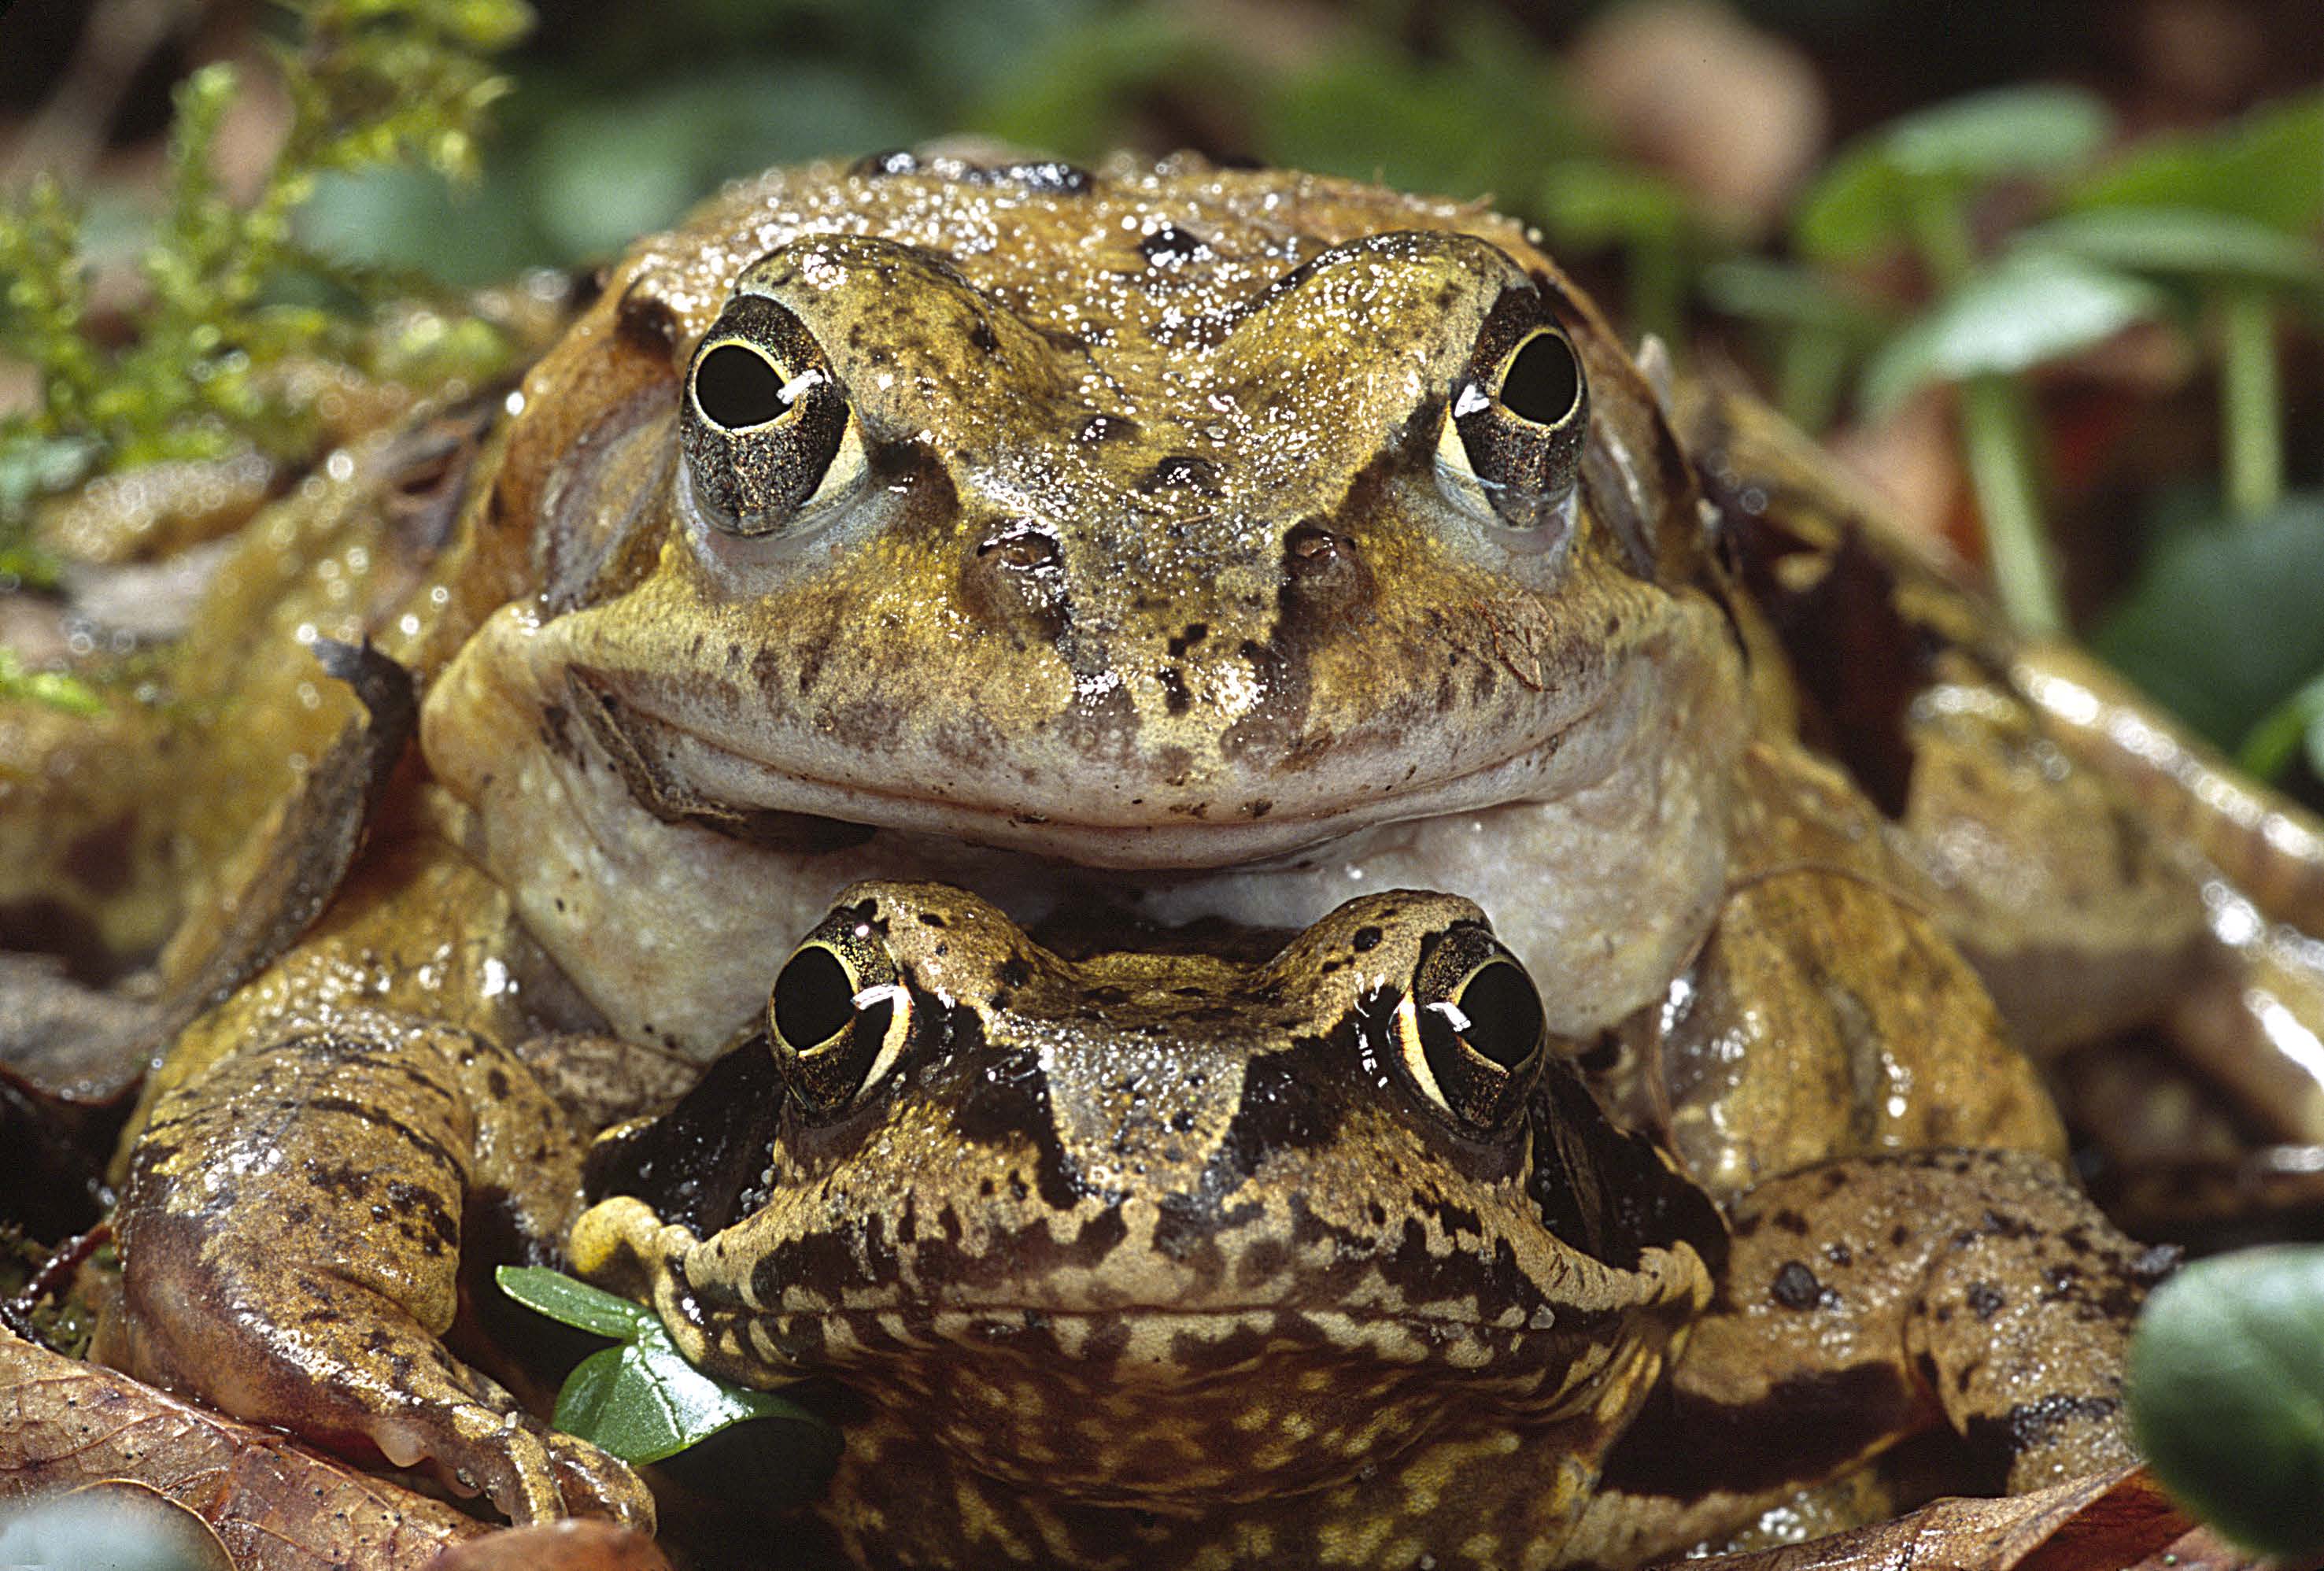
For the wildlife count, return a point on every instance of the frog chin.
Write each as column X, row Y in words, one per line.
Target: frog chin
column 1160, row 1409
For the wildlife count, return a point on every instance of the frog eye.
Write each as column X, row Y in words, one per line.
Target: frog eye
column 1511, row 446
column 769, row 436
column 1470, row 1032
column 839, row 1015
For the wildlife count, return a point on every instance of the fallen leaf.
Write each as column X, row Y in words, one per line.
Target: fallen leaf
column 274, row 1505
column 574, row 1544
column 2102, row 1523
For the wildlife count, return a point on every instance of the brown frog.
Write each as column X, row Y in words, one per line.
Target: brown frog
column 1329, row 1258
column 1190, row 544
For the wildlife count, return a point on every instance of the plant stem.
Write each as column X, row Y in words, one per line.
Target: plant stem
column 1658, row 288
column 1997, row 432
column 1993, row 427
column 2251, row 435
column 1809, row 379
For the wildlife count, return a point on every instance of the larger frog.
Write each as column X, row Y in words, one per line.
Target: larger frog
column 1206, row 543
column 1327, row 1259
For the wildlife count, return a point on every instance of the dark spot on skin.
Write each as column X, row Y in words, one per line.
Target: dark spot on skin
column 1366, row 940
column 1994, row 1442
column 1186, row 638
column 1682, row 1446
column 1169, row 245
column 1985, row 1300
column 1106, row 428
column 644, row 320
column 1257, row 807
column 981, row 336
column 496, row 1083
column 1175, row 698
column 1840, row 1254
column 1185, row 472
column 1900, row 1235
column 1014, row 972
column 1796, row 1287
column 1791, row 1222
column 99, row 860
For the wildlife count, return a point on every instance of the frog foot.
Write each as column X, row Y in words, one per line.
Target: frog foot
column 289, row 1236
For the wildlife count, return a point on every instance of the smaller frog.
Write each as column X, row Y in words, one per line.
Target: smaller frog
column 1326, row 1257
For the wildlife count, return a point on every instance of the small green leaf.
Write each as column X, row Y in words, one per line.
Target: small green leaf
column 574, row 1303
column 2007, row 130
column 1588, row 202
column 642, row 1402
column 2222, row 623
column 2028, row 308
column 2268, row 167
column 1859, row 205
column 2293, row 726
column 2226, row 1378
column 2187, row 241
column 54, row 688
column 1798, row 297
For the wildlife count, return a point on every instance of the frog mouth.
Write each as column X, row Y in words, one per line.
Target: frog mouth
column 681, row 774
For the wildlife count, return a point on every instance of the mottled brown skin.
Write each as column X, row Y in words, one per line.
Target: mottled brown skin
column 1172, row 1259
column 1159, row 576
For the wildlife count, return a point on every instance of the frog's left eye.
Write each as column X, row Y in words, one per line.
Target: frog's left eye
column 1470, row 1032
column 839, row 1015
column 768, row 435
column 1511, row 447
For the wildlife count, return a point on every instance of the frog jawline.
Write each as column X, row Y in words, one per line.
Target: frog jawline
column 1187, row 842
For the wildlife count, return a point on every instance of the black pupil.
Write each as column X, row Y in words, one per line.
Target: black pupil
column 814, row 1000
column 738, row 387
column 1544, row 382
column 1504, row 1013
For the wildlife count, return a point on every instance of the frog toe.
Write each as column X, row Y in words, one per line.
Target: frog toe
column 530, row 1472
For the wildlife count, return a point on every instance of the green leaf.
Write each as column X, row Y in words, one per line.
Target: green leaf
column 2028, row 308
column 54, row 688
column 1858, row 207
column 1801, row 297
column 574, row 1303
column 2008, row 131
column 1589, row 203
column 2268, row 167
column 2291, row 726
column 2188, row 240
column 2222, row 624
column 2226, row 1378
column 1480, row 122
column 642, row 1401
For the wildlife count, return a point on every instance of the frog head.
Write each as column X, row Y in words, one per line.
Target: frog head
column 1155, row 1229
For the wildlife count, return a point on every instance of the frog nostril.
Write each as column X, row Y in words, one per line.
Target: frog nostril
column 1020, row 548
column 1015, row 579
column 1312, row 547
column 1323, row 570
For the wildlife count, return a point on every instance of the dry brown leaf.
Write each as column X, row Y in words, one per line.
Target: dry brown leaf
column 2106, row 1523
column 275, row 1505
column 571, row 1545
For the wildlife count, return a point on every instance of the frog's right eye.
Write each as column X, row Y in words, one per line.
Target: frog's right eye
column 768, row 435
column 839, row 1015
